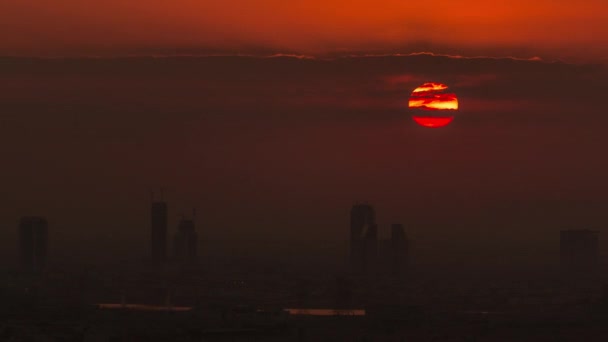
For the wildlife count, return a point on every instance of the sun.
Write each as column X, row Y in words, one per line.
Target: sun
column 432, row 106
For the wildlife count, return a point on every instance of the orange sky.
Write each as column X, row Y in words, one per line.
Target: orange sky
column 307, row 26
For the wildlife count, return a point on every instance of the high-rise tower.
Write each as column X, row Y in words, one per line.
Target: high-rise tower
column 33, row 233
column 399, row 249
column 363, row 235
column 185, row 241
column 579, row 250
column 158, row 230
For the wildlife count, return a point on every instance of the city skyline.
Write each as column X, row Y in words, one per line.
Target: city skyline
column 500, row 174
column 303, row 170
column 370, row 253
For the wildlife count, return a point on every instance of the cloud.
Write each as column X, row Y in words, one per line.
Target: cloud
column 326, row 87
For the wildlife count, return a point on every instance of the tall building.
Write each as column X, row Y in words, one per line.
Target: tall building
column 344, row 294
column 158, row 231
column 33, row 233
column 185, row 241
column 579, row 250
column 370, row 250
column 363, row 235
column 399, row 249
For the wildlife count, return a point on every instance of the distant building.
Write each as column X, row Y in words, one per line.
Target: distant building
column 158, row 231
column 33, row 233
column 393, row 252
column 344, row 294
column 579, row 250
column 399, row 249
column 363, row 235
column 370, row 250
column 185, row 241
column 368, row 253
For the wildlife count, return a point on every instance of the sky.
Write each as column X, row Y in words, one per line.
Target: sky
column 273, row 118
column 545, row 28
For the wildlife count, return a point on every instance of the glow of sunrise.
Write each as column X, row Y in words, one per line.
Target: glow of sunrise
column 432, row 106
column 431, row 96
column 430, row 87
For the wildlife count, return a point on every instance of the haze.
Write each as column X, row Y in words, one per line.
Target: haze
column 274, row 151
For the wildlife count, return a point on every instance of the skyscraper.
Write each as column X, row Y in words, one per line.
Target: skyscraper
column 158, row 230
column 579, row 250
column 185, row 241
column 371, row 255
column 33, row 233
column 363, row 235
column 399, row 249
column 370, row 250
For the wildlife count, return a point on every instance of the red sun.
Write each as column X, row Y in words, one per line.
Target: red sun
column 432, row 106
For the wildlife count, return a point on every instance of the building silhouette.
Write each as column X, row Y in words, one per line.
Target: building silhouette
column 33, row 233
column 368, row 253
column 158, row 231
column 370, row 250
column 399, row 249
column 185, row 241
column 344, row 294
column 579, row 250
column 363, row 236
